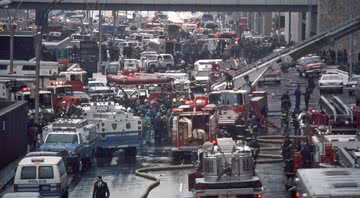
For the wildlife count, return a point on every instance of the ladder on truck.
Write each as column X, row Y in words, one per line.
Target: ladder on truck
column 336, row 108
column 257, row 70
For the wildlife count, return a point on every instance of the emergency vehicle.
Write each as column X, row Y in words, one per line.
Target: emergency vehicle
column 190, row 128
column 225, row 169
column 327, row 182
column 62, row 95
column 45, row 98
column 75, row 138
column 76, row 77
column 116, row 128
column 233, row 109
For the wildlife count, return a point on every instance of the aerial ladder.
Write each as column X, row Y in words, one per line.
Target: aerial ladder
column 255, row 71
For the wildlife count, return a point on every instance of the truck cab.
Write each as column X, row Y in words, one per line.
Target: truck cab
column 74, row 137
column 159, row 62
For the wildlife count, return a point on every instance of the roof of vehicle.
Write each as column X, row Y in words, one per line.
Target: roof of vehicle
column 229, row 91
column 48, row 160
column 330, row 181
column 22, row 195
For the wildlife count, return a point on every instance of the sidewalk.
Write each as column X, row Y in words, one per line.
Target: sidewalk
column 8, row 172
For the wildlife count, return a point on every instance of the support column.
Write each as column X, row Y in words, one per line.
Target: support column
column 41, row 19
column 288, row 27
column 114, row 14
column 267, row 23
column 308, row 27
column 296, row 26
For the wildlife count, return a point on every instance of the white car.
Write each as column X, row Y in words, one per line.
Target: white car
column 331, row 82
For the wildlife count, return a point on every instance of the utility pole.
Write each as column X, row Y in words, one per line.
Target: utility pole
column 350, row 54
column 38, row 42
column 100, row 40
column 11, row 31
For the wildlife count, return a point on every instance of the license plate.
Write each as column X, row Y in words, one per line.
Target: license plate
column 45, row 188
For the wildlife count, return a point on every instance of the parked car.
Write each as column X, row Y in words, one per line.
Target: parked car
column 42, row 173
column 310, row 66
column 331, row 82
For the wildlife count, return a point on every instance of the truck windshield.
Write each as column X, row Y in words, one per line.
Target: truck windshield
column 44, row 98
column 62, row 138
column 226, row 98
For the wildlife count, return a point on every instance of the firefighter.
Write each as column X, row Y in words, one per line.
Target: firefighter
column 295, row 123
column 311, row 83
column 297, row 94
column 285, row 102
column 307, row 95
column 306, row 159
column 255, row 147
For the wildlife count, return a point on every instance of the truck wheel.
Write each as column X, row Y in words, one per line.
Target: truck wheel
column 130, row 152
column 87, row 162
column 77, row 166
column 66, row 194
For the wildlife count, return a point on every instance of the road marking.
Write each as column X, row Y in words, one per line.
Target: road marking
column 114, row 161
column 181, row 187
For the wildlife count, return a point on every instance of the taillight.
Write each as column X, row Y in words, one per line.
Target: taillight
column 297, row 195
column 259, row 196
column 58, row 187
column 198, row 196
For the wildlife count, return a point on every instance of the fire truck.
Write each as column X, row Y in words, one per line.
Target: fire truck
column 233, row 108
column 190, row 128
column 204, row 117
column 225, row 169
column 76, row 77
column 62, row 95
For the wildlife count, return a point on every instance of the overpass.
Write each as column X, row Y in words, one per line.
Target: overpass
column 174, row 5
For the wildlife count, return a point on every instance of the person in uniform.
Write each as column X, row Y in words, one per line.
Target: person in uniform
column 101, row 189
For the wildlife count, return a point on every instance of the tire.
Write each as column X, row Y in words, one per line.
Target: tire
column 77, row 167
column 65, row 195
column 130, row 152
column 87, row 162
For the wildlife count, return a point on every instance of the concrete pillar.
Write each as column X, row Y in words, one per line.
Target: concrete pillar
column 41, row 19
column 308, row 24
column 267, row 23
column 288, row 27
column 293, row 27
column 296, row 26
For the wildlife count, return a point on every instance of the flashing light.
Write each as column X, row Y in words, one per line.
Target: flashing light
column 25, row 89
column 213, row 142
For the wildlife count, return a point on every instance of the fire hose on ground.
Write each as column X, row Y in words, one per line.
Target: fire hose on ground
column 142, row 173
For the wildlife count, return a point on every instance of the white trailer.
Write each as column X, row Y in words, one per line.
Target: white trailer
column 328, row 183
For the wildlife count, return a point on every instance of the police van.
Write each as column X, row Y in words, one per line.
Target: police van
column 42, row 172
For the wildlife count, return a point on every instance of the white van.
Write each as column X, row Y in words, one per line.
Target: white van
column 45, row 174
column 22, row 195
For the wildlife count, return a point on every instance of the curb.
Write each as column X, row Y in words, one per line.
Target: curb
column 8, row 173
column 141, row 173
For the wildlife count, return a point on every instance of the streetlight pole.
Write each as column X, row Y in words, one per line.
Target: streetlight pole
column 38, row 44
column 100, row 40
column 351, row 46
column 11, row 31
